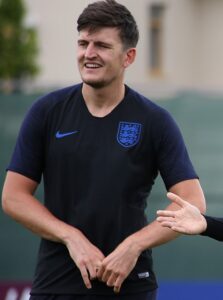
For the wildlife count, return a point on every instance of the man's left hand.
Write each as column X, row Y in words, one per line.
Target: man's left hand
column 118, row 264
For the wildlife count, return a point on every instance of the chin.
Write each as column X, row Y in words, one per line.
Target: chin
column 96, row 84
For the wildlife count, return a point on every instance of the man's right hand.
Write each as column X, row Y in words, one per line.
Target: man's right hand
column 87, row 257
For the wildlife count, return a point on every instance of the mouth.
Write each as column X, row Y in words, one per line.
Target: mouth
column 92, row 65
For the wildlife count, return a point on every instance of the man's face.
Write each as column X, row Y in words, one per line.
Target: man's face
column 101, row 58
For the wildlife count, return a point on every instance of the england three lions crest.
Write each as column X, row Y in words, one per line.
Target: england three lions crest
column 128, row 133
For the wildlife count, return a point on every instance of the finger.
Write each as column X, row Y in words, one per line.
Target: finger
column 106, row 275
column 92, row 271
column 96, row 270
column 116, row 289
column 85, row 276
column 100, row 272
column 98, row 266
column 166, row 213
column 118, row 284
column 173, row 197
column 112, row 279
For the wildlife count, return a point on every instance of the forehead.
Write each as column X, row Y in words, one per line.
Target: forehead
column 107, row 34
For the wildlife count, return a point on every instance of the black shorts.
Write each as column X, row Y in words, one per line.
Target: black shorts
column 151, row 295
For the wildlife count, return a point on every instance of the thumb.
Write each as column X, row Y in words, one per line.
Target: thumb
column 176, row 199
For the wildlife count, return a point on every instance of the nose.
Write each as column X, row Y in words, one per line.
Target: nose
column 90, row 51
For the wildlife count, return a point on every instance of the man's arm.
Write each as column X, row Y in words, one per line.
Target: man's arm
column 20, row 204
column 214, row 228
column 117, row 266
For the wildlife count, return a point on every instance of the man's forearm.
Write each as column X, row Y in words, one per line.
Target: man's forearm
column 19, row 202
column 28, row 211
column 152, row 236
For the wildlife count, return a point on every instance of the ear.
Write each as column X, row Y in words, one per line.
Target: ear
column 129, row 57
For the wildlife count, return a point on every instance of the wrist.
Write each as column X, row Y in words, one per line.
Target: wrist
column 134, row 243
column 204, row 224
column 68, row 234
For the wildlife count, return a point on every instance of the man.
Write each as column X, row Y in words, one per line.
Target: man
column 99, row 146
column 189, row 220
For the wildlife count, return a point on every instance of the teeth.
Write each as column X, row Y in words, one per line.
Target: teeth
column 92, row 66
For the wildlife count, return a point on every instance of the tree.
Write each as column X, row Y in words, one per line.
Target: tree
column 18, row 46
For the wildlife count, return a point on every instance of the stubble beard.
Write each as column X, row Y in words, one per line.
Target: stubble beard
column 98, row 84
column 95, row 84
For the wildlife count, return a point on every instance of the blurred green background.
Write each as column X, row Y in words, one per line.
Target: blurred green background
column 199, row 117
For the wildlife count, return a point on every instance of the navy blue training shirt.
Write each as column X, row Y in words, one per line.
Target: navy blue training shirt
column 97, row 173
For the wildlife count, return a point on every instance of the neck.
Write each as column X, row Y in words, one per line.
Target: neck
column 101, row 102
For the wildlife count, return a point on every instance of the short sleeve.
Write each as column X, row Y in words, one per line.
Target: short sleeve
column 28, row 155
column 173, row 160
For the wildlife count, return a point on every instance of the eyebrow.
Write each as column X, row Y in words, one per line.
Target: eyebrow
column 99, row 43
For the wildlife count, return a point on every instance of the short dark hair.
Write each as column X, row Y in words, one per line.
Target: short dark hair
column 109, row 13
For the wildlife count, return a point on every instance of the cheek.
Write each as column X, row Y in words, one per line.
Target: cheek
column 80, row 55
column 120, row 63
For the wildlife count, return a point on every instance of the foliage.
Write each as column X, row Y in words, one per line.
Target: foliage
column 18, row 43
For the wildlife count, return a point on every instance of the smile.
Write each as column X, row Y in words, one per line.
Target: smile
column 92, row 66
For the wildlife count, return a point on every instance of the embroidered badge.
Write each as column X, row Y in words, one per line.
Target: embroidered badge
column 128, row 133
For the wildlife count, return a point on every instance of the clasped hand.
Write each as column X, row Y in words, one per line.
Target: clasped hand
column 112, row 270
column 117, row 265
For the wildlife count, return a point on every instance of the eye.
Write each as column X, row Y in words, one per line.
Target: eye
column 82, row 43
column 103, row 46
